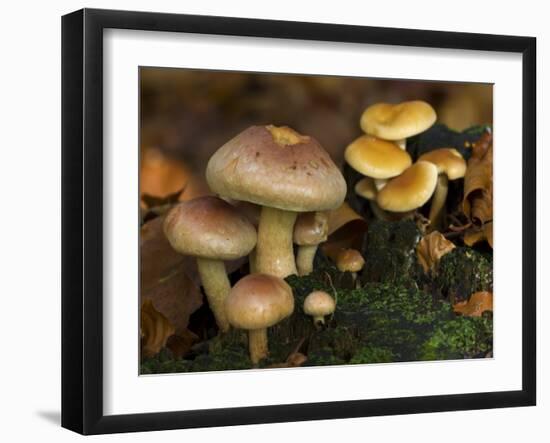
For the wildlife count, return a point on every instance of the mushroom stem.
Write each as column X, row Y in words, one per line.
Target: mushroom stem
column 438, row 199
column 319, row 319
column 304, row 259
column 378, row 211
column 216, row 286
column 402, row 143
column 356, row 283
column 380, row 183
column 257, row 345
column 274, row 250
column 252, row 261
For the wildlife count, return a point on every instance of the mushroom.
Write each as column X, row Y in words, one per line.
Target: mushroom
column 450, row 166
column 211, row 230
column 350, row 260
column 318, row 304
column 286, row 173
column 255, row 303
column 366, row 188
column 410, row 190
column 397, row 122
column 376, row 158
column 310, row 230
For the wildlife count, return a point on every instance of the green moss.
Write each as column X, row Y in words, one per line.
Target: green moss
column 462, row 337
column 462, row 272
column 323, row 357
column 372, row 354
column 343, row 340
column 230, row 357
column 163, row 363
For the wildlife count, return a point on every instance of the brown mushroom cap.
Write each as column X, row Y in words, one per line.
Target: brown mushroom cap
column 349, row 260
column 399, row 121
column 209, row 227
column 311, row 228
column 366, row 188
column 448, row 161
column 410, row 190
column 259, row 301
column 318, row 304
column 377, row 158
column 276, row 167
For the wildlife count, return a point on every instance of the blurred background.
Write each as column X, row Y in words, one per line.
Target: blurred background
column 186, row 115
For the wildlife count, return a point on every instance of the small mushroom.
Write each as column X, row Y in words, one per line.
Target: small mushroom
column 318, row 304
column 350, row 260
column 255, row 303
column 410, row 190
column 366, row 188
column 450, row 166
column 284, row 172
column 397, row 122
column 376, row 158
column 310, row 230
column 211, row 230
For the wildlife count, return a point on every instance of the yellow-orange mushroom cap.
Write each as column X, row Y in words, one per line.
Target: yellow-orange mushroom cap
column 397, row 121
column 377, row 158
column 410, row 190
column 448, row 161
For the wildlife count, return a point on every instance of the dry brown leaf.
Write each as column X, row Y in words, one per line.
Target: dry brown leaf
column 431, row 248
column 345, row 229
column 478, row 182
column 477, row 234
column 479, row 302
column 161, row 176
column 169, row 279
column 488, row 230
column 154, row 329
column 181, row 344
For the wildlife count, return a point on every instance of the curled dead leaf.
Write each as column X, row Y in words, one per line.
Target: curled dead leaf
column 478, row 303
column 431, row 248
column 154, row 329
column 345, row 229
column 477, row 204
column 477, row 234
column 181, row 344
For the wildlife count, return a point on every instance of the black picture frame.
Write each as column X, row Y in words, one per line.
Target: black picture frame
column 82, row 219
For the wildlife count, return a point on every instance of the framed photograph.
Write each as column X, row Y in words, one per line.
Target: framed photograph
column 269, row 221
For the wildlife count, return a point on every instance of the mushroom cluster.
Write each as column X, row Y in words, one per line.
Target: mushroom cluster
column 392, row 184
column 291, row 181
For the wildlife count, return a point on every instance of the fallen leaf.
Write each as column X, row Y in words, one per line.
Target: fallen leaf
column 181, row 344
column 154, row 329
column 431, row 248
column 160, row 175
column 477, row 234
column 477, row 204
column 169, row 279
column 478, row 303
